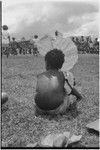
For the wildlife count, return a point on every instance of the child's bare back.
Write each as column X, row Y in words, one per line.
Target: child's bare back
column 50, row 90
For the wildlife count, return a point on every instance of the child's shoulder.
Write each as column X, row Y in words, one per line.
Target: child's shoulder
column 50, row 73
column 42, row 74
column 68, row 74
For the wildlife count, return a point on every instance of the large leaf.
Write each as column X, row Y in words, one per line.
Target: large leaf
column 48, row 43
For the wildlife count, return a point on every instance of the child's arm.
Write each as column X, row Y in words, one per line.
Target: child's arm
column 69, row 85
column 74, row 91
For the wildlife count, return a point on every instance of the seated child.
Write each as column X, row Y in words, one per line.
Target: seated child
column 51, row 96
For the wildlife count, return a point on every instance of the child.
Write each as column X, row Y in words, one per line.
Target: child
column 51, row 96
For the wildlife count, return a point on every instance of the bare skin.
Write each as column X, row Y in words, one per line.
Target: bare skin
column 50, row 89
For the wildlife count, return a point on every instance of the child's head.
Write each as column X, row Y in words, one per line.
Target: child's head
column 54, row 59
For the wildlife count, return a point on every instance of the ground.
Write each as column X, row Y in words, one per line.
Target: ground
column 20, row 125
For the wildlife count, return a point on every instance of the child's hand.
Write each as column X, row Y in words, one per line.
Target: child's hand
column 69, row 76
column 76, row 93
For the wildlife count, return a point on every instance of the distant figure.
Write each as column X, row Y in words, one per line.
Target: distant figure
column 87, row 45
column 23, row 46
column 51, row 95
column 82, row 45
column 73, row 39
column 5, row 40
column 96, row 45
column 13, row 46
column 77, row 43
column 23, row 39
column 82, row 39
column 35, row 42
column 90, row 46
column 56, row 33
column 96, row 42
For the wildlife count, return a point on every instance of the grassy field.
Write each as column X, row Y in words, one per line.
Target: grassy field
column 19, row 124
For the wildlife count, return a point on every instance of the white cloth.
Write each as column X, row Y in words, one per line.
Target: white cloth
column 5, row 35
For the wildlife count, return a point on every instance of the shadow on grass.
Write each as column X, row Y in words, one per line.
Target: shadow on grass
column 70, row 114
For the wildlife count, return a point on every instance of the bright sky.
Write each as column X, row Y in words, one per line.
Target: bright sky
column 72, row 17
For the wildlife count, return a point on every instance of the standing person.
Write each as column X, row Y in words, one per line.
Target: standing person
column 73, row 39
column 78, row 44
column 35, row 42
column 90, row 45
column 87, row 44
column 96, row 45
column 14, row 46
column 52, row 96
column 23, row 45
column 31, row 44
column 5, row 40
column 56, row 33
column 82, row 44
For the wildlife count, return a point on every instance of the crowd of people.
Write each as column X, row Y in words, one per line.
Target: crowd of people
column 22, row 47
column 86, row 44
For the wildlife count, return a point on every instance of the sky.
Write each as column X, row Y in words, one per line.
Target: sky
column 71, row 17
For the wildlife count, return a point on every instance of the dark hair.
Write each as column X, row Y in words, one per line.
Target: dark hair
column 54, row 59
column 35, row 36
column 13, row 38
column 5, row 27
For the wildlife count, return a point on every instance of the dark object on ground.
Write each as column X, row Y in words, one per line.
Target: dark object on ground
column 4, row 98
column 93, row 127
column 92, row 131
column 76, row 145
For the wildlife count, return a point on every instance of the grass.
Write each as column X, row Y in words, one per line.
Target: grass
column 19, row 124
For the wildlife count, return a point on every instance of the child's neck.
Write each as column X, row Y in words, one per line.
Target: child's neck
column 50, row 69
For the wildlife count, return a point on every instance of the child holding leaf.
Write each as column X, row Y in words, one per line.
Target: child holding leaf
column 52, row 96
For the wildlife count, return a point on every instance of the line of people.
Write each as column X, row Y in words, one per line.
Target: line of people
column 86, row 44
column 22, row 47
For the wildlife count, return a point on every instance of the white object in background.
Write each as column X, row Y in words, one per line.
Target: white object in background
column 66, row 45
